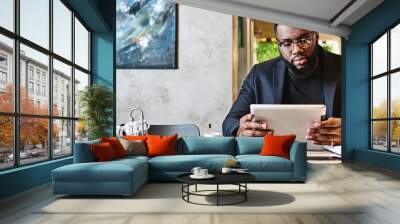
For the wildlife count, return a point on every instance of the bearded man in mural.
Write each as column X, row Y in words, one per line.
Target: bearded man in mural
column 304, row 73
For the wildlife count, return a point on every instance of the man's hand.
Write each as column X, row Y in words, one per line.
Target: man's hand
column 249, row 127
column 326, row 132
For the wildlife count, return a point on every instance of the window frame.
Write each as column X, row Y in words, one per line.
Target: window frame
column 388, row 74
column 15, row 72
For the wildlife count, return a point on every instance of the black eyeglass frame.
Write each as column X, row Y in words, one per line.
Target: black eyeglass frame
column 303, row 43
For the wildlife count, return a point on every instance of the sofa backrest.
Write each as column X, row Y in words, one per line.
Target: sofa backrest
column 83, row 152
column 206, row 145
column 249, row 145
column 190, row 146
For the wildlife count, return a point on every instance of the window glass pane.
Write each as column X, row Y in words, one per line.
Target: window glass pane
column 81, row 45
column 379, row 55
column 395, row 47
column 35, row 21
column 81, row 131
column 62, row 29
column 395, row 136
column 6, row 74
column 7, row 14
column 62, row 138
column 33, row 139
column 379, row 135
column 395, row 94
column 62, row 89
column 34, row 79
column 81, row 81
column 6, row 142
column 379, row 97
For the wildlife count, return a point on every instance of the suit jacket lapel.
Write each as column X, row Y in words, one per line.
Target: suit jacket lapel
column 329, row 84
column 279, row 80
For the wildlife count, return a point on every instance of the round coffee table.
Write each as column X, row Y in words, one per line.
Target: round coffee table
column 238, row 179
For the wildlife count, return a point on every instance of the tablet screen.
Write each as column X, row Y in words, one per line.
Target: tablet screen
column 290, row 119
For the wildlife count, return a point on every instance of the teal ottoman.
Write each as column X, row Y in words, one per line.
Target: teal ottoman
column 118, row 177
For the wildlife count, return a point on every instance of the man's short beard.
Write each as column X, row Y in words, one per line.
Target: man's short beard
column 306, row 71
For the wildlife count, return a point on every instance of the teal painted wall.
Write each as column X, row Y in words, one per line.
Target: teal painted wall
column 103, row 63
column 24, row 178
column 356, row 101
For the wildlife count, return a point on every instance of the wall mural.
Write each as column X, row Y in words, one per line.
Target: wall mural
column 146, row 35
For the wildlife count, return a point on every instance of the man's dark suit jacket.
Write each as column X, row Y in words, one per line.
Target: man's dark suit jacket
column 264, row 85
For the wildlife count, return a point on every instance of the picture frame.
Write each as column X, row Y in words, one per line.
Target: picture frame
column 146, row 34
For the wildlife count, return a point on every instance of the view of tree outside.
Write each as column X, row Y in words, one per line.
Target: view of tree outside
column 33, row 131
column 382, row 138
column 266, row 51
column 34, row 80
column 6, row 141
column 379, row 128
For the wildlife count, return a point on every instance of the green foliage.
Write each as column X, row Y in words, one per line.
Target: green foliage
column 327, row 47
column 96, row 102
column 266, row 51
column 380, row 127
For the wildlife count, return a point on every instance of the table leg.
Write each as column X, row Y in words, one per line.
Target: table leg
column 182, row 188
column 196, row 188
column 188, row 190
column 245, row 191
column 217, row 194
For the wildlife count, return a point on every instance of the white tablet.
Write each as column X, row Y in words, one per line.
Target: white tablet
column 287, row 119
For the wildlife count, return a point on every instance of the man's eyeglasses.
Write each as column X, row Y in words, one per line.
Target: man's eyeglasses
column 304, row 43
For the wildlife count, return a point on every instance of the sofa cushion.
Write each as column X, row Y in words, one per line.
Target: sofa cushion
column 134, row 147
column 112, row 171
column 103, row 152
column 185, row 163
column 135, row 138
column 116, row 145
column 257, row 163
column 206, row 145
column 161, row 145
column 275, row 145
column 249, row 145
column 131, row 158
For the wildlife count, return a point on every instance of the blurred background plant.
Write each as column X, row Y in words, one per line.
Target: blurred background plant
column 96, row 102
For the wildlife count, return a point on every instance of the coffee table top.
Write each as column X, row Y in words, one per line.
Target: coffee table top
column 220, row 178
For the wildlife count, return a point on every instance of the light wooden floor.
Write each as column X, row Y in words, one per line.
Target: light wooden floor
column 379, row 189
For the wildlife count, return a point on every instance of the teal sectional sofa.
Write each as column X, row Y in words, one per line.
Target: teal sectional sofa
column 125, row 176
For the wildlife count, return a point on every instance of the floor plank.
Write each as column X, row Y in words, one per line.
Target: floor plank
column 376, row 189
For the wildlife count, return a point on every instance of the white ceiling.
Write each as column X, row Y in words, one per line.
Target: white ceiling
column 319, row 15
column 322, row 9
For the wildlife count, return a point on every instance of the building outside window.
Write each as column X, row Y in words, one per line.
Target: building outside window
column 43, row 78
column 3, row 71
column 30, row 72
column 385, row 92
column 43, row 90
column 38, row 89
column 30, row 87
column 3, row 78
column 34, row 75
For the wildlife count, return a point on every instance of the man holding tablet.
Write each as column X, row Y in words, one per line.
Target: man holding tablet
column 303, row 74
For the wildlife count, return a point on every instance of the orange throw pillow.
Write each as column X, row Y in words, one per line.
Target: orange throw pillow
column 103, row 152
column 136, row 138
column 116, row 145
column 277, row 145
column 161, row 145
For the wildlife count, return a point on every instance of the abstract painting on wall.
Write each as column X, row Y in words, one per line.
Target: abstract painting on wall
column 146, row 34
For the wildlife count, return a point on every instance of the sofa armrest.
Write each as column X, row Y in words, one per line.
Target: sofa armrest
column 298, row 155
column 83, row 152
